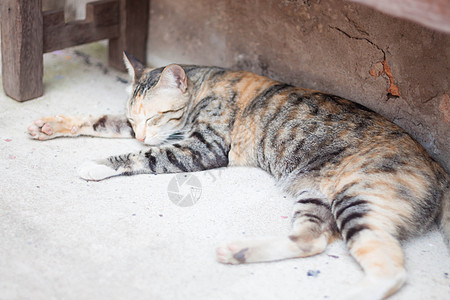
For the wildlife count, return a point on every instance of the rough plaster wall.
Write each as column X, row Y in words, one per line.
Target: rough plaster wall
column 335, row 46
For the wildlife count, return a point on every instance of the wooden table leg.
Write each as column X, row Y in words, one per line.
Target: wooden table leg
column 133, row 33
column 22, row 48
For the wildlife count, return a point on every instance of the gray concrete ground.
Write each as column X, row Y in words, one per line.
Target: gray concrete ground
column 124, row 238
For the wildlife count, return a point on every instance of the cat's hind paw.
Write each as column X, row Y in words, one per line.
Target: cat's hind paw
column 231, row 254
column 96, row 171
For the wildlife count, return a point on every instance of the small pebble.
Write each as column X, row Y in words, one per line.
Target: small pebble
column 313, row 273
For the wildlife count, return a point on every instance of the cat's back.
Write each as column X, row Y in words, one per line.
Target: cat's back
column 283, row 127
column 286, row 129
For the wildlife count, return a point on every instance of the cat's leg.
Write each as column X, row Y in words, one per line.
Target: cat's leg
column 312, row 229
column 381, row 257
column 58, row 126
column 200, row 151
column 369, row 225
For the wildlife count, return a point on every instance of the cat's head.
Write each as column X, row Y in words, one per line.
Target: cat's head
column 158, row 102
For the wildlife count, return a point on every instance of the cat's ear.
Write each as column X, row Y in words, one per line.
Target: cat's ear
column 173, row 76
column 135, row 67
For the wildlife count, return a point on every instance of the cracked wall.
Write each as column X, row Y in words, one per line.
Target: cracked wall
column 395, row 67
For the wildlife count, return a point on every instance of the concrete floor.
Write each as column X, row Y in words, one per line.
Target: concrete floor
column 123, row 238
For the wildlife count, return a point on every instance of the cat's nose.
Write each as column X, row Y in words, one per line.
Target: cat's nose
column 141, row 139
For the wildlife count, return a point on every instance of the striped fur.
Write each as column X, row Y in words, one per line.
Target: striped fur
column 352, row 173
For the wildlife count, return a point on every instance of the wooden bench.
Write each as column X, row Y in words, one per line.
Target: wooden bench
column 27, row 33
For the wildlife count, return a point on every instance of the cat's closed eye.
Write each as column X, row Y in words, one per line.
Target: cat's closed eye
column 154, row 120
column 174, row 110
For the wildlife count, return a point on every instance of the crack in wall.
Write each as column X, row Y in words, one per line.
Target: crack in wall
column 392, row 90
column 360, row 39
column 356, row 25
column 409, row 120
column 433, row 97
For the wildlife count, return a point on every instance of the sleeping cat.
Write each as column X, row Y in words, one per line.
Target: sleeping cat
column 353, row 174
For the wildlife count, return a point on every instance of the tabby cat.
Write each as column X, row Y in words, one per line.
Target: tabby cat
column 353, row 174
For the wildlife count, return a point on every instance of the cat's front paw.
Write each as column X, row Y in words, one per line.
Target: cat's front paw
column 41, row 130
column 95, row 171
column 51, row 127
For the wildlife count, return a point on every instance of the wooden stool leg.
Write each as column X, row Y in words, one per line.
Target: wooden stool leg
column 22, row 48
column 133, row 33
